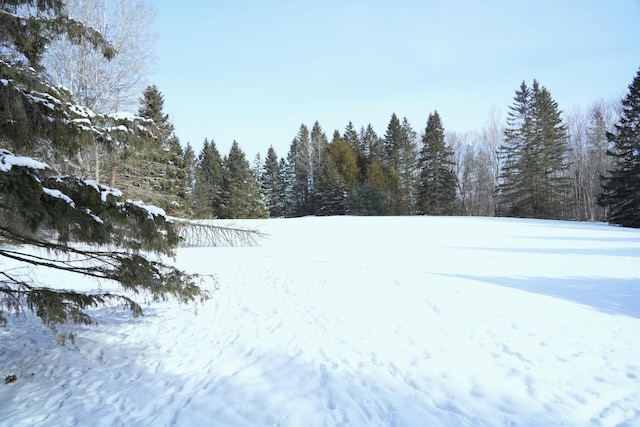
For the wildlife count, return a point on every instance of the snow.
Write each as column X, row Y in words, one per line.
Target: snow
column 8, row 160
column 151, row 209
column 343, row 321
column 59, row 195
column 122, row 115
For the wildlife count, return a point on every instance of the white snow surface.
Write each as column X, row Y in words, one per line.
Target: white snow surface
column 8, row 160
column 344, row 321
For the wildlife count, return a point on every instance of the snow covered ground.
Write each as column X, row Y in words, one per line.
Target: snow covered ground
column 344, row 321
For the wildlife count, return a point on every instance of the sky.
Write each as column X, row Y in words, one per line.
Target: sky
column 254, row 71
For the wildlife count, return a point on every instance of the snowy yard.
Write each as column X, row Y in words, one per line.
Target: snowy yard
column 345, row 321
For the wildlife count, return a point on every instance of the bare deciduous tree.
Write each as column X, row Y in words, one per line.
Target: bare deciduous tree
column 105, row 86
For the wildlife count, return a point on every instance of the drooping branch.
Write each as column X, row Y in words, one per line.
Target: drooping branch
column 206, row 234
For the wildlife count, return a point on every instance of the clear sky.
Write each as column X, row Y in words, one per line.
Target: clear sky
column 253, row 71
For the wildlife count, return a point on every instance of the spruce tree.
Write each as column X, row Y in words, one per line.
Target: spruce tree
column 621, row 186
column 437, row 182
column 318, row 150
column 190, row 164
column 331, row 194
column 299, row 169
column 534, row 157
column 271, row 181
column 208, row 182
column 240, row 191
column 359, row 147
column 64, row 222
column 154, row 170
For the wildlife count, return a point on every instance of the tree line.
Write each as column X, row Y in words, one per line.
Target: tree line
column 540, row 163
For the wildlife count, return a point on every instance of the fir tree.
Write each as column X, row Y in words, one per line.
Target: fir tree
column 438, row 182
column 534, row 157
column 621, row 186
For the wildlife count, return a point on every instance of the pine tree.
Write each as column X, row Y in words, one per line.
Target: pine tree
column 97, row 233
column 208, row 182
column 240, row 192
column 438, row 182
column 621, row 186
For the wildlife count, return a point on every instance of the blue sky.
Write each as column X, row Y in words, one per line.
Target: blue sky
column 253, row 71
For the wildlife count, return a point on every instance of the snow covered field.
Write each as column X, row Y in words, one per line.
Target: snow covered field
column 344, row 321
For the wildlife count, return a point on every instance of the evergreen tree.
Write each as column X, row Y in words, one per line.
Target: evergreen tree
column 407, row 167
column 393, row 138
column 621, row 186
column 271, row 181
column 154, row 170
column 240, row 192
column 534, row 157
column 438, row 182
column 208, row 182
column 360, row 149
column 318, row 151
column 299, row 174
column 399, row 162
column 190, row 164
column 375, row 147
column 97, row 234
column 345, row 161
column 331, row 195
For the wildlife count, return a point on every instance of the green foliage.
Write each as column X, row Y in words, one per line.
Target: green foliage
column 271, row 182
column 345, row 160
column 63, row 222
column 438, row 182
column 153, row 169
column 78, row 211
column 299, row 174
column 331, row 194
column 534, row 157
column 621, row 186
column 367, row 201
column 208, row 182
column 240, row 191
